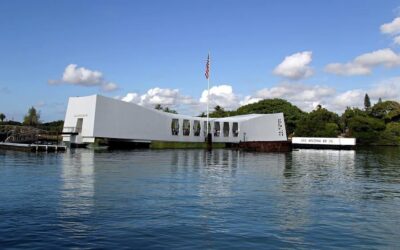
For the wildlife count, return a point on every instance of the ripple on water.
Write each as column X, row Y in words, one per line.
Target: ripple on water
column 199, row 199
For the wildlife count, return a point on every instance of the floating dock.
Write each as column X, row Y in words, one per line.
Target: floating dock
column 32, row 147
column 323, row 143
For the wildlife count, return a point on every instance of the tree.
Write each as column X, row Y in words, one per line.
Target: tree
column 366, row 129
column 32, row 118
column 218, row 108
column 318, row 123
column 387, row 110
column 367, row 102
column 2, row 117
column 377, row 126
column 391, row 135
column 349, row 114
column 54, row 126
column 168, row 110
column 380, row 100
column 291, row 113
column 331, row 129
column 219, row 112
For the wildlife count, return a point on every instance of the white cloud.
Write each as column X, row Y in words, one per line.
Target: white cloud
column 84, row 77
column 154, row 96
column 385, row 57
column 350, row 98
column 295, row 66
column 396, row 40
column 391, row 28
column 107, row 87
column 307, row 97
column 364, row 64
column 297, row 92
column 171, row 98
column 249, row 100
column 347, row 69
column 168, row 97
column 81, row 76
column 131, row 97
column 388, row 89
column 221, row 95
column 304, row 96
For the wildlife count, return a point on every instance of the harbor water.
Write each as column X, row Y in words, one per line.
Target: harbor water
column 196, row 199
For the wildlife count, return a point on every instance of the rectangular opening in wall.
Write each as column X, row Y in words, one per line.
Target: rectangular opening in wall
column 217, row 129
column 175, row 127
column 186, row 127
column 235, row 129
column 79, row 124
column 226, row 129
column 196, row 128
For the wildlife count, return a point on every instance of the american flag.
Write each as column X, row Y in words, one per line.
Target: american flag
column 207, row 74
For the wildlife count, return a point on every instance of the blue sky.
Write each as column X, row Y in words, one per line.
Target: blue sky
column 152, row 52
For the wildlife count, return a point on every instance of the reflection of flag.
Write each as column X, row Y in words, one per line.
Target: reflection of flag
column 207, row 74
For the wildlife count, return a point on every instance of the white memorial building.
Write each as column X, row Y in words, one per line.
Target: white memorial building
column 95, row 116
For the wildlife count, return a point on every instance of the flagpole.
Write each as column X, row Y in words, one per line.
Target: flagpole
column 208, row 102
column 208, row 94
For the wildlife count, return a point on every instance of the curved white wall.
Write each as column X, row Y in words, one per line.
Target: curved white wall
column 110, row 118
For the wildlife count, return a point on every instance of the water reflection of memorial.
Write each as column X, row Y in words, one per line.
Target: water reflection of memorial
column 309, row 174
column 77, row 192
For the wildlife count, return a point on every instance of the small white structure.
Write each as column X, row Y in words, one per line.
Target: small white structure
column 97, row 116
column 320, row 142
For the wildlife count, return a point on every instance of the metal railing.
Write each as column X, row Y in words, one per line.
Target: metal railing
column 26, row 134
column 72, row 130
column 22, row 134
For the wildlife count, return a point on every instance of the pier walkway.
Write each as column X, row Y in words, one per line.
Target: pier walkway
column 32, row 147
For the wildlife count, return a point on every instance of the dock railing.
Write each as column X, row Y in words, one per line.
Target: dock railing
column 71, row 130
column 26, row 134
